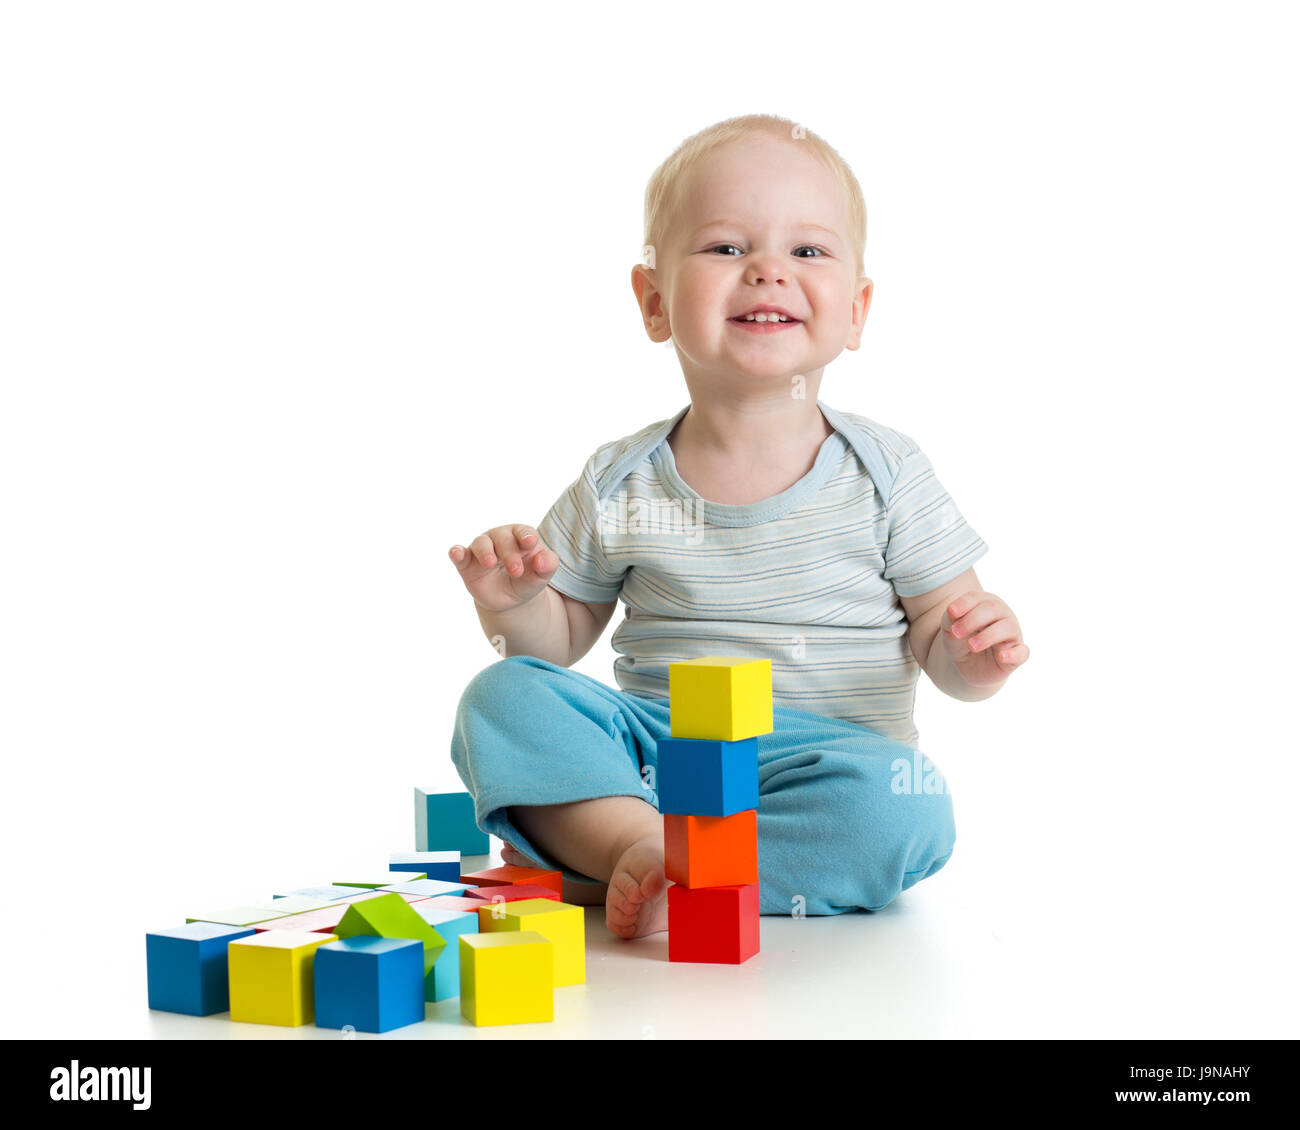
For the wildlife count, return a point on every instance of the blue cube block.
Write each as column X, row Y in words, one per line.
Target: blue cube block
column 450, row 924
column 707, row 778
column 443, row 865
column 187, row 967
column 373, row 984
column 445, row 822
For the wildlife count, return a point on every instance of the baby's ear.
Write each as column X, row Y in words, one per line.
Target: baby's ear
column 861, row 304
column 650, row 303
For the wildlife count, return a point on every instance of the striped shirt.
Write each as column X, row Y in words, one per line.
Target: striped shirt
column 809, row 578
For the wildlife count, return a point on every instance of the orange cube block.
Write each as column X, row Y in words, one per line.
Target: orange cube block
column 711, row 851
column 509, row 875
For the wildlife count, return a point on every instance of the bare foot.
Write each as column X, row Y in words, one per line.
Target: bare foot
column 638, row 890
column 575, row 894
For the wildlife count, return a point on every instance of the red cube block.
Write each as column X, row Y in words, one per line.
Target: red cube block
column 513, row 893
column 714, row 924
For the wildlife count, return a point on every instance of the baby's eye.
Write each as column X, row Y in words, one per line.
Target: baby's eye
column 805, row 247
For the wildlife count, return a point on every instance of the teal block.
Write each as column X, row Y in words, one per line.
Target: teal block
column 450, row 924
column 445, row 822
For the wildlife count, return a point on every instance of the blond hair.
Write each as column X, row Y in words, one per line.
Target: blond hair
column 662, row 190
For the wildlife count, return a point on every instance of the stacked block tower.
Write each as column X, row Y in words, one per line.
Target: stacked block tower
column 708, row 794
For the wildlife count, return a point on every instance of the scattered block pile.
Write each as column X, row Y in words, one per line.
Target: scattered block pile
column 368, row 951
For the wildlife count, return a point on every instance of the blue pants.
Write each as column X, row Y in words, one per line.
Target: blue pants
column 847, row 818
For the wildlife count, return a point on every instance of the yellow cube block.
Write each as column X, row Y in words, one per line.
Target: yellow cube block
column 564, row 925
column 720, row 698
column 507, row 978
column 271, row 977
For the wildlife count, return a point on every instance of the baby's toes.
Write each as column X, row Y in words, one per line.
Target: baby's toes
column 653, row 884
column 625, row 891
column 514, row 857
column 623, row 900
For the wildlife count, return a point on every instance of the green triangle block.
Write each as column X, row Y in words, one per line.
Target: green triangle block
column 391, row 916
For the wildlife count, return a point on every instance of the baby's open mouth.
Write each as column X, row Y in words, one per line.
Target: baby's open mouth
column 762, row 319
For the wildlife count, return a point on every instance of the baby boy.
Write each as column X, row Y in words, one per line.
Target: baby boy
column 757, row 521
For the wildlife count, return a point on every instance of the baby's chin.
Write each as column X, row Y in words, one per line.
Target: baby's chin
column 771, row 367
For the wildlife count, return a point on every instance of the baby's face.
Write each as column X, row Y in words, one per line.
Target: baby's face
column 761, row 223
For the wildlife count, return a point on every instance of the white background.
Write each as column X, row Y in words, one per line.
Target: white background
column 293, row 297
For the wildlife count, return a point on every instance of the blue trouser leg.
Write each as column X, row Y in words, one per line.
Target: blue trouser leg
column 847, row 818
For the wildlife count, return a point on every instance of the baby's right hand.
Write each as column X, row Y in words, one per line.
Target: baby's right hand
column 505, row 567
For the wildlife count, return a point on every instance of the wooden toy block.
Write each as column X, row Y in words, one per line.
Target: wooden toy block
column 511, row 875
column 564, row 925
column 451, row 924
column 271, row 977
column 390, row 916
column 443, row 865
column 514, row 893
column 721, row 698
column 427, row 888
column 292, row 904
column 372, row 984
column 362, row 894
column 711, row 851
column 706, row 778
column 713, row 924
column 451, row 902
column 187, row 967
column 238, row 916
column 324, row 921
column 445, row 822
column 327, row 892
column 507, row 978
column 381, row 879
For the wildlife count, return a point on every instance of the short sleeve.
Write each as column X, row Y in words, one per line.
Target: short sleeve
column 572, row 529
column 930, row 542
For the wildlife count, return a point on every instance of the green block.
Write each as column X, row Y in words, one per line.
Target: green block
column 381, row 879
column 391, row 916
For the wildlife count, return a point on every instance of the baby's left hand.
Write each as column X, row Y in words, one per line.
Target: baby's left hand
column 982, row 638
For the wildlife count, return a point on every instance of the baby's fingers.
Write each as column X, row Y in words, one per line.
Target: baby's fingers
column 516, row 542
column 535, row 554
column 999, row 632
column 485, row 553
column 478, row 559
column 1013, row 655
column 461, row 557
